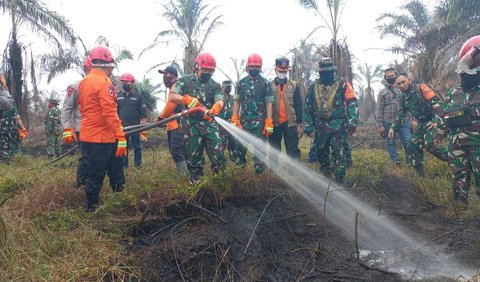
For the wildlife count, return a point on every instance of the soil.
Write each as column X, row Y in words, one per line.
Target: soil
column 218, row 239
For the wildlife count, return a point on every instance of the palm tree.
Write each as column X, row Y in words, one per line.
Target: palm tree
column 338, row 49
column 305, row 58
column 368, row 75
column 191, row 23
column 61, row 60
column 44, row 22
column 148, row 92
column 432, row 39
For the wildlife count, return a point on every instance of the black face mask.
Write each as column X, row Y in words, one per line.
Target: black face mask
column 327, row 77
column 127, row 87
column 468, row 81
column 254, row 73
column 228, row 90
column 168, row 81
column 391, row 80
column 204, row 77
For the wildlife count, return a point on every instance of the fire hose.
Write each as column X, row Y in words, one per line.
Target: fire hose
column 129, row 130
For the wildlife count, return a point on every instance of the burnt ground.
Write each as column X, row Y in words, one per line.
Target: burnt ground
column 211, row 239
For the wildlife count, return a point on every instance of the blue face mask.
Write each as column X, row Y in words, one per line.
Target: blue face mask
column 254, row 73
column 204, row 77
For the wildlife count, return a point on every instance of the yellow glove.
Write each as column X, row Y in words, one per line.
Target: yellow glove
column 144, row 136
column 69, row 135
column 22, row 134
column 215, row 109
column 122, row 144
column 235, row 121
column 268, row 128
column 191, row 102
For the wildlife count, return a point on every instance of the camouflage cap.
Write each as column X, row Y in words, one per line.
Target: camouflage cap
column 53, row 101
column 326, row 64
column 227, row 83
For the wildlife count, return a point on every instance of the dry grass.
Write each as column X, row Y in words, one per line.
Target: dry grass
column 50, row 238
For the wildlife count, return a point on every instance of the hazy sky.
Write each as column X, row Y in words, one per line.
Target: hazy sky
column 268, row 27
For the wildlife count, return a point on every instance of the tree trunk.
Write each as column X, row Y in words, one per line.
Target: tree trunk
column 15, row 63
column 189, row 61
column 36, row 96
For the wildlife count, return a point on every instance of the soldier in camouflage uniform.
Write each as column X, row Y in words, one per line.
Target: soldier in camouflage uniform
column 462, row 122
column 6, row 122
column 254, row 97
column 11, row 127
column 53, row 128
column 331, row 110
column 424, row 105
column 199, row 90
column 226, row 114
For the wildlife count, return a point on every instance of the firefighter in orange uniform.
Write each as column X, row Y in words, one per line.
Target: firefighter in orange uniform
column 102, row 135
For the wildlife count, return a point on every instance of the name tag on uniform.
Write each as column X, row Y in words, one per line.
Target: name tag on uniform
column 134, row 98
column 120, row 98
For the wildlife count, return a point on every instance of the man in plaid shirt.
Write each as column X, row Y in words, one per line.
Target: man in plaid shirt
column 386, row 112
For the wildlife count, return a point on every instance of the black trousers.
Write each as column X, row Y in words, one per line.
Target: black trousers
column 290, row 138
column 176, row 145
column 82, row 165
column 101, row 159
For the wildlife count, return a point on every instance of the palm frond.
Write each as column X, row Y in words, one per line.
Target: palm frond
column 60, row 61
column 123, row 54
column 309, row 4
column 38, row 15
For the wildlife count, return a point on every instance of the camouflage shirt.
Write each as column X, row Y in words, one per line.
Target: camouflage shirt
column 226, row 112
column 207, row 93
column 421, row 102
column 456, row 99
column 52, row 123
column 7, row 122
column 253, row 96
column 333, row 111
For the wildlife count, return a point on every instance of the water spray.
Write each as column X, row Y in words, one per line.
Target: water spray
column 386, row 243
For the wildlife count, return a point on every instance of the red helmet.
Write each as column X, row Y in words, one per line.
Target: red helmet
column 103, row 54
column 254, row 60
column 466, row 54
column 127, row 77
column 468, row 45
column 87, row 64
column 206, row 60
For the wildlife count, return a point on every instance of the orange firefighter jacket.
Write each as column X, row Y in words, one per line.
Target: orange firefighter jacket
column 98, row 106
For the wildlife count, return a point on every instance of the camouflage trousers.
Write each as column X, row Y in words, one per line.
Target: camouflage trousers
column 204, row 136
column 15, row 143
column 5, row 147
column 54, row 145
column 463, row 160
column 423, row 138
column 241, row 151
column 330, row 153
